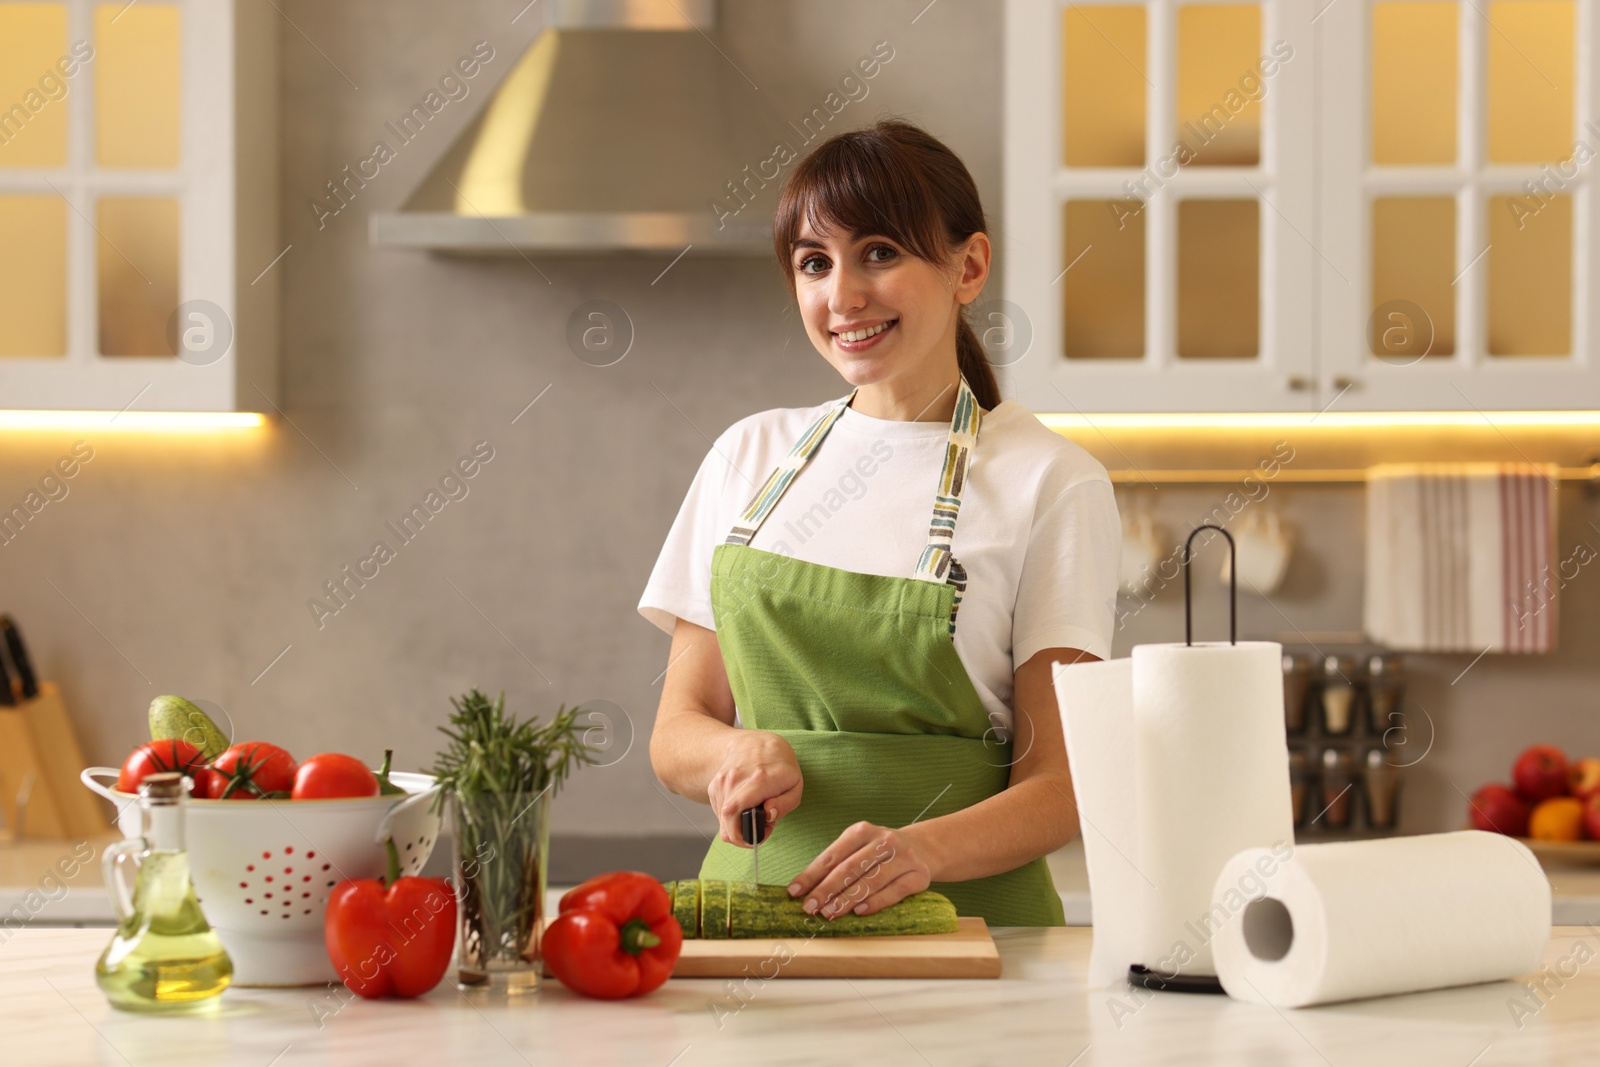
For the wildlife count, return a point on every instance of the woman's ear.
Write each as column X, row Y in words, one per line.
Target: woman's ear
column 974, row 267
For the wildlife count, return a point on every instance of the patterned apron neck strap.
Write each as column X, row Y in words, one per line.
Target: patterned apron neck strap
column 936, row 560
column 934, row 563
column 767, row 496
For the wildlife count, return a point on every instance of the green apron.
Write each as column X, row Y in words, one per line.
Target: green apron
column 859, row 673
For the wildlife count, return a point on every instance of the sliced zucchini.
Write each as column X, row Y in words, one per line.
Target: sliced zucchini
column 769, row 911
column 721, row 909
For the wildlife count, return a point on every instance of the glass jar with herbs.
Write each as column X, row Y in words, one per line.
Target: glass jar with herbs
column 498, row 776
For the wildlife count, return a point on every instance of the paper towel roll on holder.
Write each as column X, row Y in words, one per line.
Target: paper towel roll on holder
column 1138, row 973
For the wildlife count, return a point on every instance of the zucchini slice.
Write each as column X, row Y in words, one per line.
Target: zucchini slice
column 713, row 908
column 686, row 906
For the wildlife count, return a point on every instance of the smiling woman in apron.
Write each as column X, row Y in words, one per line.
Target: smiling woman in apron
column 866, row 596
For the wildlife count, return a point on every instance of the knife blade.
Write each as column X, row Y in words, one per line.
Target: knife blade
column 19, row 657
column 753, row 827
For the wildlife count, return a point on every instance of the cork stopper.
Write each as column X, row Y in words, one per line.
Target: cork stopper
column 167, row 785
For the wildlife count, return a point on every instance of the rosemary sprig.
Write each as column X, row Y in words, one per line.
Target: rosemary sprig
column 493, row 753
column 497, row 767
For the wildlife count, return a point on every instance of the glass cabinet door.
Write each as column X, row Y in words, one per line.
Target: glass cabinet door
column 1460, row 145
column 121, row 128
column 1161, row 207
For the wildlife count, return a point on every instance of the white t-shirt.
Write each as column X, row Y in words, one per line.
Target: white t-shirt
column 1038, row 531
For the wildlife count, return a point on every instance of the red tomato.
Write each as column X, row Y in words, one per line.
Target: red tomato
column 254, row 769
column 208, row 784
column 156, row 757
column 333, row 774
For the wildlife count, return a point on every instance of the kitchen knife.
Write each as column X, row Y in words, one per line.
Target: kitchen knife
column 753, row 827
column 19, row 657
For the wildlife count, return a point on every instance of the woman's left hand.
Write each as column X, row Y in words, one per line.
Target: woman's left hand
column 867, row 868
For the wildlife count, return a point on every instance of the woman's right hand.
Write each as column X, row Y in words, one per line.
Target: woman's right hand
column 758, row 767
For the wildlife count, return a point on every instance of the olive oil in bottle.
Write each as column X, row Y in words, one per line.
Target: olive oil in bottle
column 164, row 956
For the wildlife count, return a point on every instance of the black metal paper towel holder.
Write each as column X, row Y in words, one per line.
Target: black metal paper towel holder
column 1138, row 974
column 1233, row 585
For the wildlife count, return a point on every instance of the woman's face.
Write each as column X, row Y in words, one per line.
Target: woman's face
column 845, row 283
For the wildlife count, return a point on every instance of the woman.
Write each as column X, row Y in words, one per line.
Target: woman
column 817, row 666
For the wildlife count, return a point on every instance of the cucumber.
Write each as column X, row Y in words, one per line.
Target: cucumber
column 746, row 909
column 172, row 717
column 714, row 901
column 686, row 906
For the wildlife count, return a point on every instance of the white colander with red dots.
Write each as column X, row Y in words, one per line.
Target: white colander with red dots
column 263, row 869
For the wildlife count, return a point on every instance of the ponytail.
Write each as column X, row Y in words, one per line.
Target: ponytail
column 974, row 364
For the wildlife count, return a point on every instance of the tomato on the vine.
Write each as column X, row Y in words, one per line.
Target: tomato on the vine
column 208, row 784
column 156, row 757
column 251, row 770
column 333, row 774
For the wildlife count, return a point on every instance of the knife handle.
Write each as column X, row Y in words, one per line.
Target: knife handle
column 7, row 697
column 753, row 824
column 19, row 657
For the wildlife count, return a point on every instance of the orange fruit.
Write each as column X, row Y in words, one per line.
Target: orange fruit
column 1557, row 819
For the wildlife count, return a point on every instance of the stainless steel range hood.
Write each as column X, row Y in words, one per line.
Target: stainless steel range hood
column 622, row 128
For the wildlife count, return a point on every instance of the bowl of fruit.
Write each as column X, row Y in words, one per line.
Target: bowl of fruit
column 1552, row 804
column 269, row 837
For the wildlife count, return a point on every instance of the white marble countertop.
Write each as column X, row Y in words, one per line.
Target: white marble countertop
column 53, row 1015
column 25, row 889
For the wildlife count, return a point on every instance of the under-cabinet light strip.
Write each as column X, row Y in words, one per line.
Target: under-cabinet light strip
column 157, row 421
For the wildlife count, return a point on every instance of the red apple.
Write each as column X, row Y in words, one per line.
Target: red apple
column 1591, row 816
column 1583, row 777
column 1497, row 809
column 1540, row 773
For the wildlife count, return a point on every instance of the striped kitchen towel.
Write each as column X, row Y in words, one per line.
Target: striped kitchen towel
column 1461, row 557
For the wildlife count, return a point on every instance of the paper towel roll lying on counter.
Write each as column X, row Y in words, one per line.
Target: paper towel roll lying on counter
column 1179, row 760
column 1352, row 919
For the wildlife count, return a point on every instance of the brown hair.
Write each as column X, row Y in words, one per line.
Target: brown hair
column 895, row 179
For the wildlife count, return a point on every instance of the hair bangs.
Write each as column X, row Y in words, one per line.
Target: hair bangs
column 849, row 186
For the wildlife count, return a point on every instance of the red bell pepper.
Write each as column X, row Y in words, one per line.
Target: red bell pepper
column 615, row 936
column 392, row 937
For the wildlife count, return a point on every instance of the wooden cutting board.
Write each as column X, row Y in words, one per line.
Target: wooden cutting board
column 969, row 952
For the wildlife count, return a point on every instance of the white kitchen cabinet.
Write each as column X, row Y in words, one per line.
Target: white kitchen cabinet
column 1159, row 205
column 1345, row 200
column 1458, row 202
column 138, row 178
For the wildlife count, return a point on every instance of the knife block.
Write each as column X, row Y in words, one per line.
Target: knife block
column 37, row 738
column 26, row 801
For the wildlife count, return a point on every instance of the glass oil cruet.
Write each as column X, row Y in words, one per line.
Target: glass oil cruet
column 164, row 956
